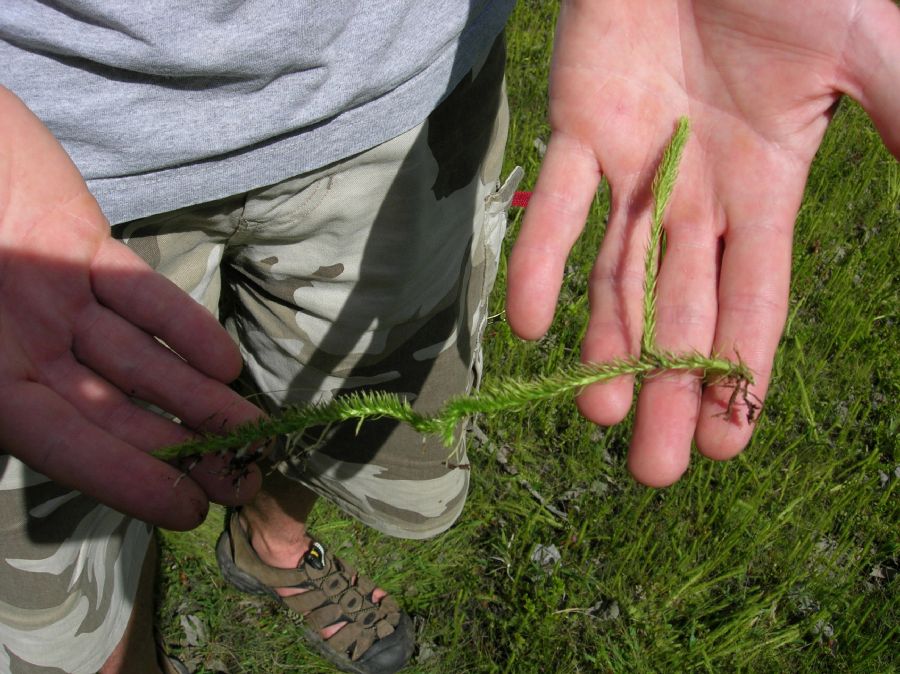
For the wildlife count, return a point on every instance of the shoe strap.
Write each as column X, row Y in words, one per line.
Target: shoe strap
column 329, row 598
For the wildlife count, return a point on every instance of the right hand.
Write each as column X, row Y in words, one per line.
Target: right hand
column 759, row 81
column 80, row 320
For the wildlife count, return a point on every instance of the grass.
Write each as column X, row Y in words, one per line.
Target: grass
column 782, row 560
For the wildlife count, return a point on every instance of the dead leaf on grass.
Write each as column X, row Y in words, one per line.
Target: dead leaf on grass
column 194, row 630
column 546, row 556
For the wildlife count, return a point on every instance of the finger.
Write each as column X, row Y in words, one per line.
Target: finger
column 753, row 298
column 49, row 435
column 553, row 220
column 143, row 368
column 668, row 403
column 753, row 291
column 107, row 407
column 124, row 283
column 872, row 60
column 616, row 296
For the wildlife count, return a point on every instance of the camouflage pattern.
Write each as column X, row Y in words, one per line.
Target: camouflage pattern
column 68, row 577
column 369, row 273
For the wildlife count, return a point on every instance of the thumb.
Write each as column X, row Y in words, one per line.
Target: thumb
column 872, row 57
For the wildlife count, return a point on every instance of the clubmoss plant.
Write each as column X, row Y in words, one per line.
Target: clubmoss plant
column 294, row 422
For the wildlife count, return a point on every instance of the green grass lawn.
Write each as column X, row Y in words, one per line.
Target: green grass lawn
column 782, row 560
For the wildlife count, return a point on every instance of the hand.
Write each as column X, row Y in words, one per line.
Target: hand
column 79, row 314
column 759, row 81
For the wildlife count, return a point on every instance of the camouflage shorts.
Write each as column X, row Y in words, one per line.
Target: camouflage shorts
column 68, row 578
column 370, row 273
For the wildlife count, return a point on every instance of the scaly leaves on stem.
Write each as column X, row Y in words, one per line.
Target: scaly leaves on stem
column 663, row 187
column 295, row 422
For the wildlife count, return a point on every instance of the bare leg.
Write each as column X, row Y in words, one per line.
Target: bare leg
column 136, row 652
column 276, row 520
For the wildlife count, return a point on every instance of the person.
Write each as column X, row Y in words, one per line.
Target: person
column 340, row 210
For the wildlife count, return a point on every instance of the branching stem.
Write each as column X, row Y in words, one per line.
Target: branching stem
column 509, row 395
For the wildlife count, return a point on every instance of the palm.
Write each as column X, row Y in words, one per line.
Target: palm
column 758, row 81
column 77, row 315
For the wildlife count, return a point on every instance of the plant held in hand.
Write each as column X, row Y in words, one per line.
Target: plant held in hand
column 294, row 422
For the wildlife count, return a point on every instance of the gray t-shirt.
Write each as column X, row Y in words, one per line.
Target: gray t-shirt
column 167, row 103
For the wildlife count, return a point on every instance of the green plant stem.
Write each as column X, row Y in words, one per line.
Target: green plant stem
column 509, row 395
column 663, row 187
